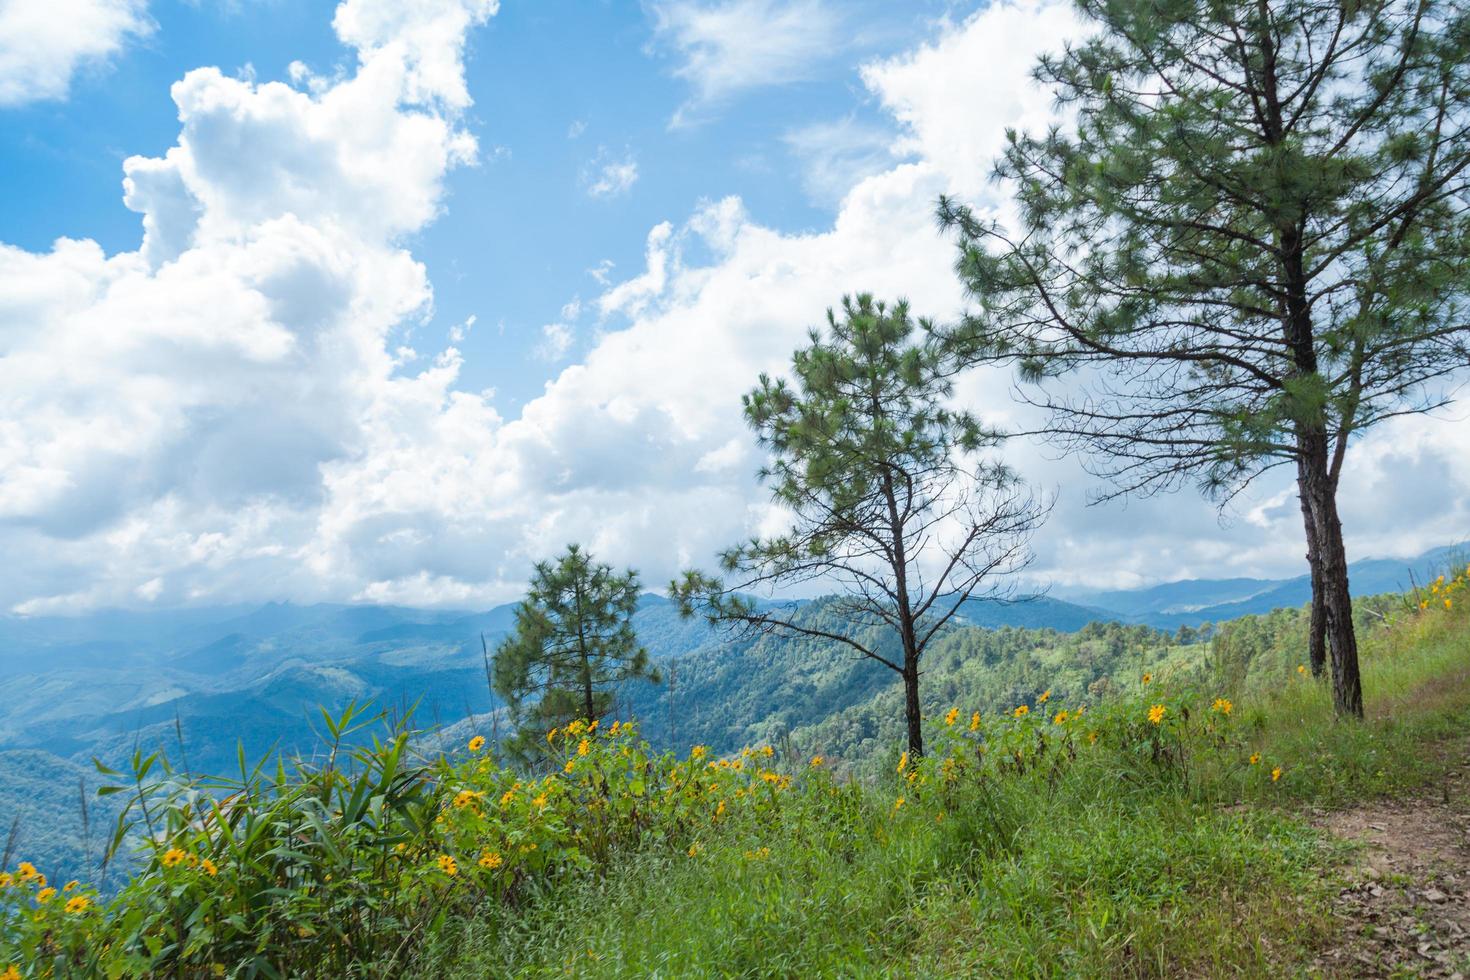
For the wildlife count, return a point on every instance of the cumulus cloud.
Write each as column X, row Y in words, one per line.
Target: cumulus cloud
column 43, row 43
column 727, row 47
column 230, row 411
column 169, row 415
column 667, row 385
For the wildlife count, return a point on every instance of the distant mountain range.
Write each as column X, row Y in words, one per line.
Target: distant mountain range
column 102, row 684
column 1195, row 601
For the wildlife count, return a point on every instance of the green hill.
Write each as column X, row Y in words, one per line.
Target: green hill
column 1111, row 802
column 59, row 822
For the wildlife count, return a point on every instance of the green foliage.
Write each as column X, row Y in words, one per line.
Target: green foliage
column 1141, row 829
column 888, row 494
column 60, row 823
column 573, row 642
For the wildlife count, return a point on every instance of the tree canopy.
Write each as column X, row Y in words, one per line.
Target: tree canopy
column 572, row 644
column 890, row 491
column 1255, row 238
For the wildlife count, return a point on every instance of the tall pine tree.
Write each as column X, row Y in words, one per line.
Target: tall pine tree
column 1256, row 238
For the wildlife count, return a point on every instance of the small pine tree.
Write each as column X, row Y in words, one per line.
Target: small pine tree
column 892, row 496
column 573, row 642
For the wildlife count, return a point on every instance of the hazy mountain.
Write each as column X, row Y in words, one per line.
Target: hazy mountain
column 1196, row 601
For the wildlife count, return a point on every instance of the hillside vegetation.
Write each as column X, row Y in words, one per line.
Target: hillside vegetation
column 1147, row 826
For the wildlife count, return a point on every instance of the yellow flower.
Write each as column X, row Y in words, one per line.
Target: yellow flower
column 1022, row 710
column 1424, row 604
column 447, row 865
column 45, row 895
column 817, row 760
column 1223, row 706
column 477, row 743
column 975, row 722
column 1448, row 603
column 490, row 860
column 898, row 803
column 5, row 879
column 1148, row 678
column 26, row 870
column 77, row 903
column 698, row 752
column 694, row 849
column 11, row 973
column 1045, row 696
column 551, row 736
column 1301, row 668
column 1156, row 713
column 1255, row 758
column 571, row 764
column 1092, row 738
column 209, row 867
column 464, row 798
column 767, row 751
column 720, row 809
column 507, row 798
column 584, row 746
column 172, row 857
column 951, row 717
column 903, row 762
column 1060, row 719
column 1275, row 774
column 70, row 885
column 540, row 800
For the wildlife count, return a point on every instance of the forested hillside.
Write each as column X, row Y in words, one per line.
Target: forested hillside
column 1082, row 790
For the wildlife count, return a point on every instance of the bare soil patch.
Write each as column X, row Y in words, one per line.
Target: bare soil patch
column 1405, row 908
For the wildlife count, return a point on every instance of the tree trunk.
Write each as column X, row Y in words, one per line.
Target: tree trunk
column 1317, row 639
column 911, row 710
column 1347, row 689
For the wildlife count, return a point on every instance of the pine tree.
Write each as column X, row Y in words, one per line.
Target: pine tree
column 889, row 496
column 572, row 645
column 1255, row 238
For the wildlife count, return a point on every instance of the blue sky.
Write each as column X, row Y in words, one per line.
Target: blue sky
column 382, row 300
column 562, row 89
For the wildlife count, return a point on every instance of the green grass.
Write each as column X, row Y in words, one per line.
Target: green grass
column 1107, row 867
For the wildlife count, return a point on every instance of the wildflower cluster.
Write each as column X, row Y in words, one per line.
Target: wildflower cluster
column 358, row 856
column 1442, row 591
column 1155, row 725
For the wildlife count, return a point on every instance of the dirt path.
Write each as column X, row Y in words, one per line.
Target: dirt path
column 1406, row 909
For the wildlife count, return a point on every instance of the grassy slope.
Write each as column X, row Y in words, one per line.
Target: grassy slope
column 1108, row 868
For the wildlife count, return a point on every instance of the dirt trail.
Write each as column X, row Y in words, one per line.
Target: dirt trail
column 1406, row 909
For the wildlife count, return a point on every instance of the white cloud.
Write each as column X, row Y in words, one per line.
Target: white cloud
column 168, row 416
column 729, row 46
column 836, row 155
column 576, row 129
column 601, row 273
column 665, row 389
column 607, row 176
column 43, row 43
column 556, row 340
column 460, row 331
column 224, row 414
